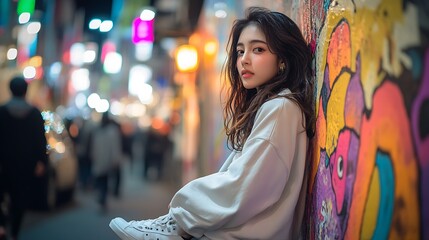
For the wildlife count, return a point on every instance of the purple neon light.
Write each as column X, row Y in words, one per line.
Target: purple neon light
column 142, row 30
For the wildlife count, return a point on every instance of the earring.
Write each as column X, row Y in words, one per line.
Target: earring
column 282, row 67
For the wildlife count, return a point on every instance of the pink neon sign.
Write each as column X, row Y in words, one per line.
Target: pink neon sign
column 142, row 30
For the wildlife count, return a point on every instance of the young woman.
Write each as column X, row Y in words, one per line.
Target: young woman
column 259, row 191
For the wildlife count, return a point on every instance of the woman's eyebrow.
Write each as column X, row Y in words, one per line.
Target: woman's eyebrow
column 251, row 42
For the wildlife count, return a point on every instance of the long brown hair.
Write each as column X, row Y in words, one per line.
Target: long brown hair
column 284, row 39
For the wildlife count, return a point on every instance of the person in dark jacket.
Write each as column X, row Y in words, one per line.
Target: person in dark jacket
column 156, row 146
column 23, row 154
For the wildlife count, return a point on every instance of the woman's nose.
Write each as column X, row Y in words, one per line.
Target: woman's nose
column 245, row 59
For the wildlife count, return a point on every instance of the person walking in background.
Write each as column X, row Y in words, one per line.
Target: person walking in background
column 128, row 138
column 259, row 192
column 85, row 127
column 106, row 155
column 23, row 153
column 116, row 174
column 156, row 146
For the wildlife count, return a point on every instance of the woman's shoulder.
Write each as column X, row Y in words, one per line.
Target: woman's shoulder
column 278, row 110
column 280, row 102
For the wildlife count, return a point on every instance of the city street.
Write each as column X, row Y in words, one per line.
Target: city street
column 84, row 220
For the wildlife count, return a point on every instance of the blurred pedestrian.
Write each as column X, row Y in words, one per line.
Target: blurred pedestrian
column 116, row 174
column 106, row 155
column 23, row 154
column 84, row 127
column 128, row 135
column 156, row 145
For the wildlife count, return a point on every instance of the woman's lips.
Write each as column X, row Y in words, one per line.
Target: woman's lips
column 246, row 74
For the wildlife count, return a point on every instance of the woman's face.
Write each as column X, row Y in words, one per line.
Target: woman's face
column 255, row 63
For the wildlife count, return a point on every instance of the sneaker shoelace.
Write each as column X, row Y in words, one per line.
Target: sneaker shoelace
column 163, row 224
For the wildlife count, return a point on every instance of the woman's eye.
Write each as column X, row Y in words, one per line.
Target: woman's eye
column 258, row 50
column 240, row 52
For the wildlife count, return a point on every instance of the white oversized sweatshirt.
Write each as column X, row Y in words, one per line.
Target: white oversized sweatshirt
column 259, row 193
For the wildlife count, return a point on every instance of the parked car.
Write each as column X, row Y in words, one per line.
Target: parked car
column 59, row 183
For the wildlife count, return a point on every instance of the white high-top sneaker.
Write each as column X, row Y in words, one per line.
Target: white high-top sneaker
column 162, row 228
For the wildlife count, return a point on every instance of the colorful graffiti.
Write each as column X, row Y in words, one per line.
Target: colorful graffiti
column 371, row 170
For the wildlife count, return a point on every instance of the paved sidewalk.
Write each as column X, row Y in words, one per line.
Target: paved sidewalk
column 83, row 219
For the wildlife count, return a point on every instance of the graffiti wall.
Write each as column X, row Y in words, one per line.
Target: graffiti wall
column 370, row 170
column 370, row 173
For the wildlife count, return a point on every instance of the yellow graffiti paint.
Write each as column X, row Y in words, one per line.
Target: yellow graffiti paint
column 376, row 35
column 372, row 205
column 336, row 14
column 371, row 33
column 335, row 111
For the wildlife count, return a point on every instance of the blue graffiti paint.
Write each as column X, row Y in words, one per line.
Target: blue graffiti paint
column 326, row 4
column 387, row 196
column 326, row 159
column 417, row 66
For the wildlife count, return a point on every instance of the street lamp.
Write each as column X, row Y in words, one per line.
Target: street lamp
column 187, row 64
column 187, row 58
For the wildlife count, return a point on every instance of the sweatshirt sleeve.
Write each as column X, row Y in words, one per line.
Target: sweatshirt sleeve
column 252, row 183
